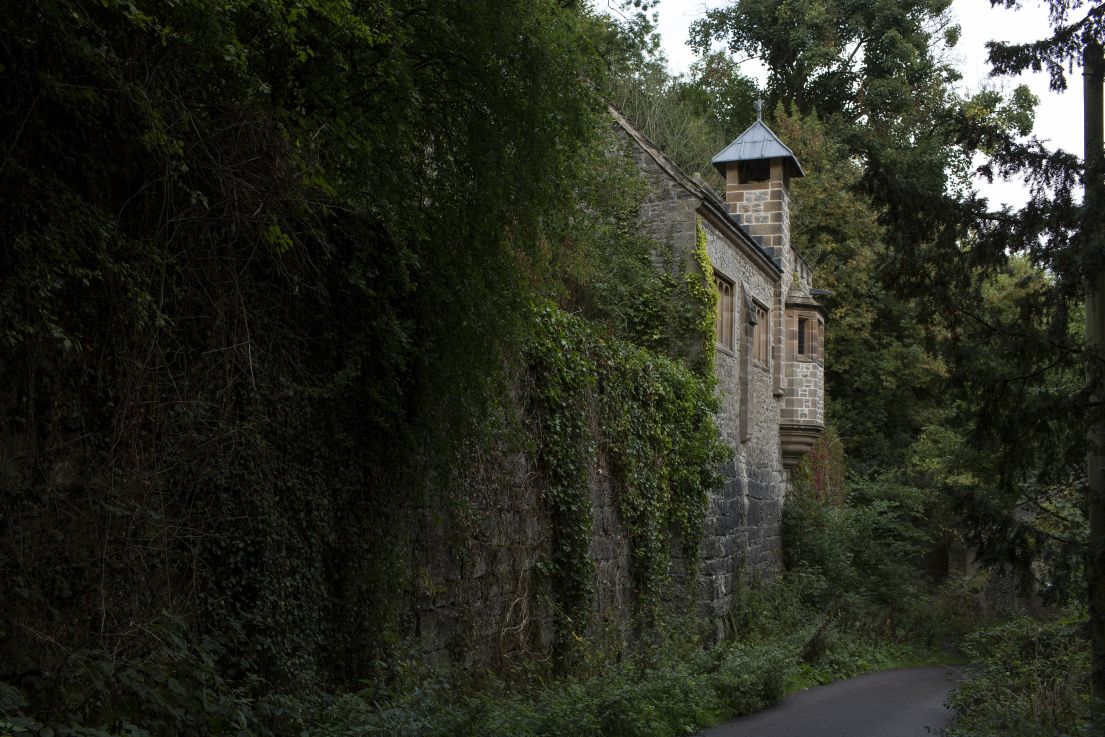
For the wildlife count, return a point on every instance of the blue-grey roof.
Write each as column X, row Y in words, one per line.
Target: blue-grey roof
column 757, row 142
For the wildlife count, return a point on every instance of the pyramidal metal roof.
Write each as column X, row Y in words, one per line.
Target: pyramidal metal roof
column 756, row 143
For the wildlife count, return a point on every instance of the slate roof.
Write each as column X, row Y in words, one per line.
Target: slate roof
column 756, row 143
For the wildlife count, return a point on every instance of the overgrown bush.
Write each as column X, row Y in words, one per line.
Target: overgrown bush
column 175, row 689
column 683, row 687
column 676, row 688
column 672, row 685
column 862, row 552
column 261, row 292
column 1031, row 680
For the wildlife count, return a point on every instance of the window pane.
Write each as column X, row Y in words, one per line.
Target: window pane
column 724, row 322
column 762, row 335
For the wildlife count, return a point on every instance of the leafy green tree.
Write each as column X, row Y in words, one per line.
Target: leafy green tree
column 263, row 263
column 884, row 379
column 877, row 74
column 1068, row 238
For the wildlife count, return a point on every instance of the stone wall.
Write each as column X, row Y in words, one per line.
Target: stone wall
column 489, row 603
column 803, row 373
column 805, row 385
column 615, row 596
column 742, row 536
column 763, row 208
column 476, row 594
column 744, row 515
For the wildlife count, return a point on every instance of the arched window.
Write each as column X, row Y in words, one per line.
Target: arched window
column 761, row 333
column 724, row 322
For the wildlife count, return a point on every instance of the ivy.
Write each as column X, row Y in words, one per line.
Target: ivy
column 704, row 295
column 242, row 344
column 230, row 309
column 653, row 418
column 562, row 361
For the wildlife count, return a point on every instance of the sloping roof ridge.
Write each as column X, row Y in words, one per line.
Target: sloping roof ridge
column 767, row 129
column 699, row 190
column 658, row 154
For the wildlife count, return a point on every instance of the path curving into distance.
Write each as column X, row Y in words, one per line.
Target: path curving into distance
column 895, row 703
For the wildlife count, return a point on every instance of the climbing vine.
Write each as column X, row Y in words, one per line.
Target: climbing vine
column 820, row 474
column 564, row 368
column 704, row 298
column 653, row 418
column 664, row 448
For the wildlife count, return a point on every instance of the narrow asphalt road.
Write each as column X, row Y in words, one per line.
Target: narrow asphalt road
column 896, row 703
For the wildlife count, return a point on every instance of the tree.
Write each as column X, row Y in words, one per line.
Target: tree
column 262, row 262
column 877, row 74
column 1081, row 254
column 876, row 77
column 691, row 117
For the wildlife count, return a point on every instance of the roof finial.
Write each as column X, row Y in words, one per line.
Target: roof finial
column 759, row 106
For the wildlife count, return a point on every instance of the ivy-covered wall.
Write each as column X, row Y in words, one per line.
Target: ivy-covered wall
column 247, row 412
column 619, row 426
column 742, row 533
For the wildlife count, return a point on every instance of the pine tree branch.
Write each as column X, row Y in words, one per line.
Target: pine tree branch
column 1063, row 47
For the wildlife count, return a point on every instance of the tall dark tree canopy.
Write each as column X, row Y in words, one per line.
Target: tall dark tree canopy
column 878, row 73
column 926, row 304
column 856, row 59
column 259, row 261
column 1075, row 246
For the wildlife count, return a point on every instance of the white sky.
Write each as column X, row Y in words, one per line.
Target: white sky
column 1058, row 117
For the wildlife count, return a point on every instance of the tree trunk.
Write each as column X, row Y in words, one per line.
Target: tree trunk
column 1093, row 202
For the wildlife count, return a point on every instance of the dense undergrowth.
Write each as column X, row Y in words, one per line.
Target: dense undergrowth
column 1030, row 679
column 672, row 687
column 866, row 554
column 835, row 613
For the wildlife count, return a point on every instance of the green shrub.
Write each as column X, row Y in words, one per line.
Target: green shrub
column 1031, row 681
column 671, row 688
column 175, row 690
column 864, row 555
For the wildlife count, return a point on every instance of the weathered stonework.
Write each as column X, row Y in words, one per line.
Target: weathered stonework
column 488, row 603
column 768, row 408
column 474, row 595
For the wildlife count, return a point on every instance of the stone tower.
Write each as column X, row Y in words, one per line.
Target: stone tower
column 758, row 168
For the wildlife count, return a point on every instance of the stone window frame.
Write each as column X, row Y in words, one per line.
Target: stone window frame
column 759, row 316
column 726, row 310
column 819, row 339
column 814, row 338
column 753, row 310
column 805, row 346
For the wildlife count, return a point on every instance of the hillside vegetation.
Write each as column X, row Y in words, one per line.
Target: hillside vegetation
column 294, row 294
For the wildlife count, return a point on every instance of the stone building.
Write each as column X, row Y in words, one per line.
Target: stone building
column 769, row 361
column 770, row 338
